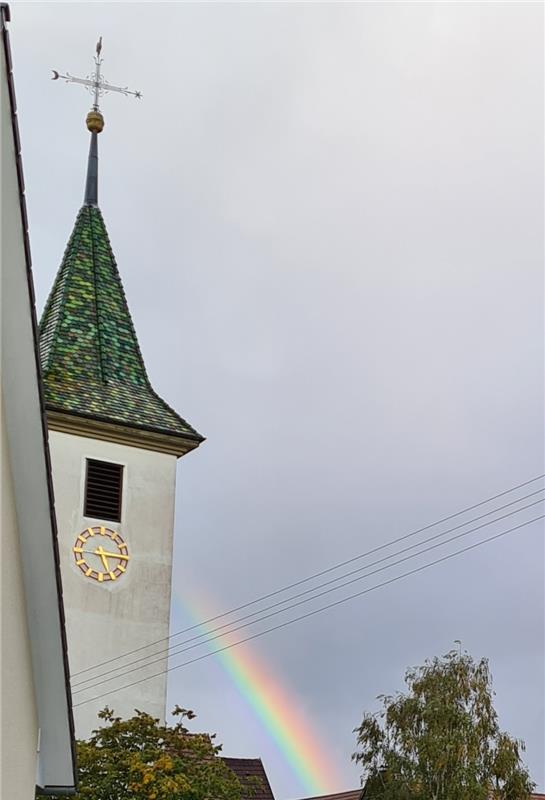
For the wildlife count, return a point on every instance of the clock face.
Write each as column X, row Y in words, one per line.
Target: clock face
column 101, row 554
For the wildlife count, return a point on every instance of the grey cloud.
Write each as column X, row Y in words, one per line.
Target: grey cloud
column 329, row 223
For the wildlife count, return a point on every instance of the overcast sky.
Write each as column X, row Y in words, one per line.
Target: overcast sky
column 329, row 223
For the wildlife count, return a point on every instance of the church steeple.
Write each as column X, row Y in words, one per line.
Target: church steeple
column 91, row 361
column 114, row 447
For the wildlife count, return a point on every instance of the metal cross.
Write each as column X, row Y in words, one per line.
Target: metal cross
column 95, row 83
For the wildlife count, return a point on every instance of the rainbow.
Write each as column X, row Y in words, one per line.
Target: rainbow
column 274, row 707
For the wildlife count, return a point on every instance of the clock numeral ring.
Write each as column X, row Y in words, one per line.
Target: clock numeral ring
column 101, row 554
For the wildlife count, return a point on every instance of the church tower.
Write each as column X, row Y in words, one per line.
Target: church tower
column 114, row 444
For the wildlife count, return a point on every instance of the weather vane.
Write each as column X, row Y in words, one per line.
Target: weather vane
column 95, row 83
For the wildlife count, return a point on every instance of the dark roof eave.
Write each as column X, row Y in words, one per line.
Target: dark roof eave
column 193, row 436
column 108, row 429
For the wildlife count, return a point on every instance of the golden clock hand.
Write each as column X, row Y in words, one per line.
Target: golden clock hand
column 100, row 552
column 104, row 553
column 115, row 555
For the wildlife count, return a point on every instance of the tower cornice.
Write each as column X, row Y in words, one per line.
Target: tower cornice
column 105, row 430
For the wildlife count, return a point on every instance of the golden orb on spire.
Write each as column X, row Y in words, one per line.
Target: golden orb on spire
column 95, row 121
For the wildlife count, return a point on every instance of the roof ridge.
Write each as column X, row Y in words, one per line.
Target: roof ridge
column 124, row 296
column 99, row 333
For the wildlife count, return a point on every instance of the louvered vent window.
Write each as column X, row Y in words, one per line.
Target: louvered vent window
column 103, row 487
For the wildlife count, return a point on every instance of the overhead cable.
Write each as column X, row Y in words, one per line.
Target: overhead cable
column 260, row 614
column 315, row 575
column 312, row 613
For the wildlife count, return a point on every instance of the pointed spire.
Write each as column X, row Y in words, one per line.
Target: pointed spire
column 91, row 184
column 92, row 367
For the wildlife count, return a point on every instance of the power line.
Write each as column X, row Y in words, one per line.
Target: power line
column 93, row 683
column 313, row 576
column 213, row 638
column 315, row 611
column 173, row 651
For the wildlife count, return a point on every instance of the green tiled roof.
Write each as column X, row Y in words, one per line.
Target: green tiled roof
column 91, row 361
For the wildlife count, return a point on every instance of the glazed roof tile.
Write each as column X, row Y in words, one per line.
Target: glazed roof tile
column 91, row 361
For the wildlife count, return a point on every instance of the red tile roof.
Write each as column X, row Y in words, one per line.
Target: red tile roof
column 248, row 768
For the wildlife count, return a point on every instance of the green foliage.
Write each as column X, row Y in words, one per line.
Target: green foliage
column 441, row 739
column 139, row 759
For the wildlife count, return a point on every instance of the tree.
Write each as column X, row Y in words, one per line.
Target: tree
column 441, row 739
column 139, row 759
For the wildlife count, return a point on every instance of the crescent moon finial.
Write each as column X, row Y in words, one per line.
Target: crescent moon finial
column 55, row 75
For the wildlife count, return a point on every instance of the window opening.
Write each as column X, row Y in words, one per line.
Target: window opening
column 103, row 487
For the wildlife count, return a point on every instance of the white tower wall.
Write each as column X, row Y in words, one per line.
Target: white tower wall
column 105, row 620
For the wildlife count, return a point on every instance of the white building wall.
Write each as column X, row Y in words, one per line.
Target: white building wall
column 18, row 741
column 34, row 701
column 19, row 719
column 105, row 620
